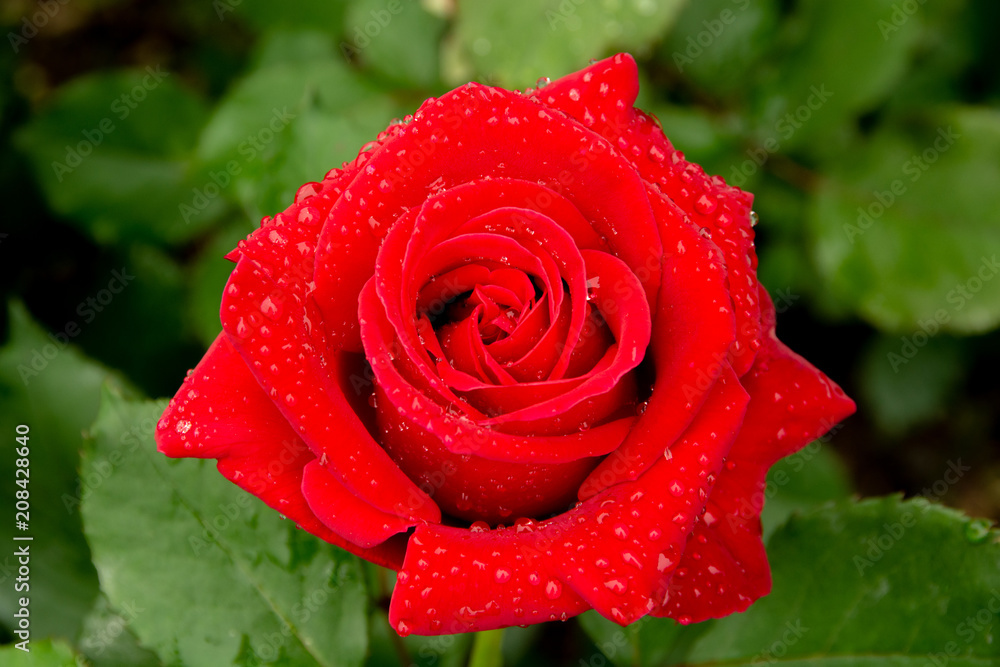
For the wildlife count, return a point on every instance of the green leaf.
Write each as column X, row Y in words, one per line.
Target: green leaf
column 175, row 535
column 834, row 61
column 717, row 45
column 315, row 144
column 258, row 109
column 107, row 640
column 41, row 654
column 208, row 275
column 808, row 478
column 878, row 582
column 901, row 393
column 514, row 43
column 303, row 14
column 49, row 386
column 288, row 122
column 397, row 38
column 905, row 228
column 112, row 154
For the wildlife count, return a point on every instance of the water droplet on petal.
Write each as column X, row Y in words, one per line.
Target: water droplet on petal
column 705, row 205
column 270, row 308
column 502, row 575
column 553, row 589
column 615, row 586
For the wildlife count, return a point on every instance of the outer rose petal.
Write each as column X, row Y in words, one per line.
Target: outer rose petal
column 268, row 314
column 615, row 551
column 221, row 412
column 725, row 567
column 601, row 96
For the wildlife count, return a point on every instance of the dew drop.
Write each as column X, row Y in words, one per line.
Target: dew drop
column 705, row 205
column 542, row 82
column 501, row 575
column 656, row 154
column 754, row 218
column 183, row 426
column 615, row 586
column 270, row 308
column 306, row 191
column 664, row 563
column 977, row 531
column 574, row 94
column 553, row 589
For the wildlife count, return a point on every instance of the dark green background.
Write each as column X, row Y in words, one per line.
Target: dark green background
column 169, row 101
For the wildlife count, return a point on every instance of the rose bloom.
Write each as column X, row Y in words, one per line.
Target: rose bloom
column 517, row 352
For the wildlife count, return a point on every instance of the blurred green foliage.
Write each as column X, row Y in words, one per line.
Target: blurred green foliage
column 144, row 139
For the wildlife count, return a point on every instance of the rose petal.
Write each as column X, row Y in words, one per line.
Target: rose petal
column 458, row 433
column 343, row 512
column 791, row 404
column 221, row 412
column 467, row 134
column 616, row 550
column 602, row 97
column 269, row 317
column 692, row 333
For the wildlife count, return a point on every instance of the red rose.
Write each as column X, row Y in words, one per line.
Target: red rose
column 516, row 351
